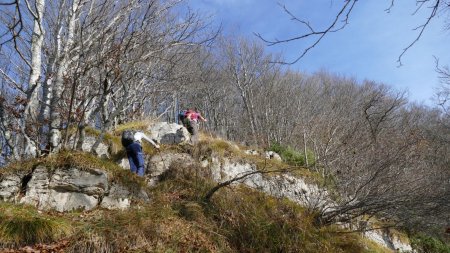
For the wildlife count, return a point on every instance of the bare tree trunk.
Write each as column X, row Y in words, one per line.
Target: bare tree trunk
column 30, row 146
column 304, row 148
column 110, row 120
column 82, row 127
column 69, row 117
column 58, row 85
column 81, row 135
column 47, row 88
column 36, row 60
column 249, row 115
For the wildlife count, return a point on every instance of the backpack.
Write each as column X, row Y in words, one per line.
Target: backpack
column 127, row 137
column 182, row 116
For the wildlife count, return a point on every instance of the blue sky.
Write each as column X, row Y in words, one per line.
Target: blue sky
column 368, row 48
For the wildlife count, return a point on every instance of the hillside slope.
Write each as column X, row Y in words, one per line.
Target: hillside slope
column 175, row 217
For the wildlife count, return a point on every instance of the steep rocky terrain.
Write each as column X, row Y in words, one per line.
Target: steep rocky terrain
column 80, row 203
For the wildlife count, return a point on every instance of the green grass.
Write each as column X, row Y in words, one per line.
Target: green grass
column 292, row 156
column 21, row 224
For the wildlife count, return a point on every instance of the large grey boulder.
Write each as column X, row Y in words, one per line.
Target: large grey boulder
column 168, row 133
column 69, row 188
column 65, row 189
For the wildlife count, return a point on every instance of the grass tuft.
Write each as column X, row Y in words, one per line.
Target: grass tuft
column 20, row 224
column 134, row 125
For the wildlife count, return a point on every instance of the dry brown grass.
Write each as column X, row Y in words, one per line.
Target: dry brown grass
column 237, row 219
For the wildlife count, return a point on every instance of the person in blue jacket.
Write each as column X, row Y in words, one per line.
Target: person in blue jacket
column 136, row 158
column 135, row 154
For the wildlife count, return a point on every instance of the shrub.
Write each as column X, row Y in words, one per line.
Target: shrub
column 291, row 156
column 427, row 244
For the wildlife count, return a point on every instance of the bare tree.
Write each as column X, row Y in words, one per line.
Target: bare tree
column 246, row 63
column 30, row 55
column 341, row 20
column 443, row 91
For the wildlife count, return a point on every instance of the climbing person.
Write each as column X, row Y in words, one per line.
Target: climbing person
column 131, row 140
column 183, row 119
column 193, row 117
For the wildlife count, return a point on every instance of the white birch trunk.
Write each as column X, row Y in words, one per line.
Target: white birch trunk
column 44, row 113
column 58, row 84
column 37, row 39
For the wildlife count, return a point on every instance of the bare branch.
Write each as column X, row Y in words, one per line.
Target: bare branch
column 243, row 175
column 344, row 13
column 421, row 28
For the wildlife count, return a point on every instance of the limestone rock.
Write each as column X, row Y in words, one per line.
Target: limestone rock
column 160, row 163
column 68, row 201
column 65, row 189
column 124, row 163
column 168, row 133
column 117, row 198
column 91, row 182
column 251, row 152
column 102, row 149
column 284, row 185
column 10, row 186
column 37, row 190
column 385, row 238
column 273, row 155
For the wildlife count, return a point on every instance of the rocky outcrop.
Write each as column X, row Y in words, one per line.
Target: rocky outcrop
column 101, row 151
column 10, row 186
column 66, row 189
column 279, row 185
column 117, row 198
column 162, row 162
column 168, row 133
column 388, row 240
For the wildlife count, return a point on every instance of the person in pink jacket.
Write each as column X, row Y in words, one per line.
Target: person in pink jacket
column 193, row 117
